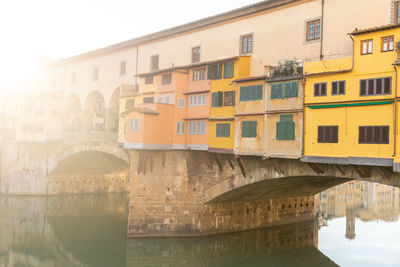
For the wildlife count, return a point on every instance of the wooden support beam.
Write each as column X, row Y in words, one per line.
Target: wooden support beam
column 276, row 167
column 316, row 168
column 205, row 158
column 362, row 172
column 242, row 166
column 340, row 169
column 220, row 166
column 151, row 160
column 385, row 174
column 163, row 158
column 230, row 162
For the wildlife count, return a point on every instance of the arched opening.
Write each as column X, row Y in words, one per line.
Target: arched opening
column 72, row 114
column 95, row 111
column 114, row 111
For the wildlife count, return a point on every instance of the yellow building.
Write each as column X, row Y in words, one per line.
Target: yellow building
column 349, row 115
column 222, row 74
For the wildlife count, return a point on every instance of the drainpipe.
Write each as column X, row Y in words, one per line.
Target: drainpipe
column 321, row 56
column 137, row 63
column 395, row 112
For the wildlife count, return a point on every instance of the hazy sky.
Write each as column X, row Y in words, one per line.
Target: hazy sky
column 58, row 29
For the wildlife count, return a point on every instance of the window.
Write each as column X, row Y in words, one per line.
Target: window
column 223, row 130
column 129, row 103
column 148, row 100
column 285, row 128
column 246, row 43
column 249, row 129
column 149, row 79
column 397, row 12
column 73, row 78
column 313, row 30
column 197, row 127
column 166, row 78
column 181, row 103
column 387, row 43
column 281, row 90
column 180, row 127
column 154, row 63
column 159, row 99
column 95, row 74
column 328, row 134
column 217, row 99
column 196, row 54
column 214, row 72
column 122, row 68
column 228, row 70
column 133, row 125
column 319, row 89
column 373, row 135
column 378, row 86
column 366, row 47
column 338, row 88
column 229, row 98
column 199, row 74
column 197, row 100
column 167, row 99
column 250, row 93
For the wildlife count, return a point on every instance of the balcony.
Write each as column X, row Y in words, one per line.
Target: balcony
column 286, row 70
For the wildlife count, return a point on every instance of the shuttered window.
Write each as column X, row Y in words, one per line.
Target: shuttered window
column 328, row 134
column 281, row 90
column 373, row 135
column 338, row 88
column 251, row 93
column 320, row 89
column 246, row 43
column 228, row 70
column 378, row 86
column 285, row 128
column 180, row 127
column 223, row 130
column 166, row 78
column 214, row 72
column 249, row 129
column 217, row 99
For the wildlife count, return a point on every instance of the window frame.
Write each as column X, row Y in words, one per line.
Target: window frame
column 323, row 139
column 367, row 84
column 338, row 87
column 147, row 79
column 397, row 12
column 134, row 125
column 248, row 134
column 166, row 79
column 181, row 102
column 199, row 74
column 373, row 132
column 193, row 102
column 319, row 89
column 226, row 98
column 223, row 130
column 313, row 22
column 285, row 121
column 244, row 39
column 180, row 127
column 197, row 127
column 154, row 62
column 387, row 38
column 368, row 41
column 243, row 93
column 196, row 57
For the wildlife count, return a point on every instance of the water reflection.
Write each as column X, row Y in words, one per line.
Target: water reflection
column 91, row 231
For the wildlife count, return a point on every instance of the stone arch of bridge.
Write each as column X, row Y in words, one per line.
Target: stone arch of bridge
column 110, row 149
column 256, row 179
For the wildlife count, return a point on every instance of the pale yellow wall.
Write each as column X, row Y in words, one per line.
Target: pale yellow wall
column 249, row 146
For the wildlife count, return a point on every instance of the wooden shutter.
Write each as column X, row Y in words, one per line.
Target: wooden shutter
column 290, row 128
column 220, row 98
column 321, row 137
column 294, row 89
column 259, row 91
column 280, row 131
column 215, row 99
column 243, row 94
column 228, row 70
column 273, row 91
column 279, row 91
column 287, row 89
column 209, row 72
column 219, row 71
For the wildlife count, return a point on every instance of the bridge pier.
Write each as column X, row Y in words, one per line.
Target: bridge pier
column 168, row 197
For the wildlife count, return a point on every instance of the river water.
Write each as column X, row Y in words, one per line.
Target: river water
column 357, row 225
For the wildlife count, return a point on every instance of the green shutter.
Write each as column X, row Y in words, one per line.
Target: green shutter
column 280, row 131
column 259, row 89
column 295, row 89
column 273, row 91
column 223, row 129
column 215, row 99
column 243, row 93
column 249, row 129
column 287, row 89
column 287, row 117
column 279, row 90
column 220, row 99
column 219, row 71
column 209, row 72
column 228, row 70
column 233, row 98
column 289, row 131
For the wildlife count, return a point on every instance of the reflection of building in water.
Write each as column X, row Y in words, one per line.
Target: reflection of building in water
column 364, row 200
